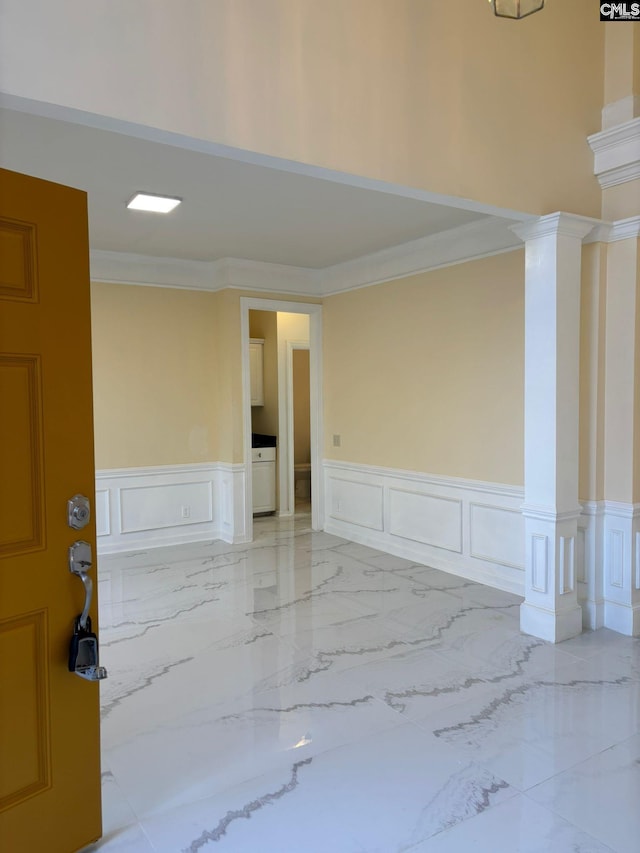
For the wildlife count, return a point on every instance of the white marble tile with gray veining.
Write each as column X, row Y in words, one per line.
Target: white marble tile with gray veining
column 384, row 793
column 302, row 692
column 515, row 825
column 600, row 795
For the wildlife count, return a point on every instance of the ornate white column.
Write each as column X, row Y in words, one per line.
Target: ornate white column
column 552, row 351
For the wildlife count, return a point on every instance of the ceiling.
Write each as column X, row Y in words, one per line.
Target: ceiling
column 231, row 209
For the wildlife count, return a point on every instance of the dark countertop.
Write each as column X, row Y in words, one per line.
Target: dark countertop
column 260, row 440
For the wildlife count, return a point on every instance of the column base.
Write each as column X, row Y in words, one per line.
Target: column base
column 548, row 625
column 623, row 618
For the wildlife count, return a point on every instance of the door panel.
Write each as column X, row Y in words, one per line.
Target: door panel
column 21, row 509
column 18, row 252
column 49, row 718
column 24, row 729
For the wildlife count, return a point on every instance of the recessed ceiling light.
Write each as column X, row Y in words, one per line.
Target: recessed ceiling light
column 153, row 203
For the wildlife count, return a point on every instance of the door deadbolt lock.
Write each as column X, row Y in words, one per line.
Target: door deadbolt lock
column 78, row 512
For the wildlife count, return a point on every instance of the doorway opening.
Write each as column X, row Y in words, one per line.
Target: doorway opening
column 287, row 336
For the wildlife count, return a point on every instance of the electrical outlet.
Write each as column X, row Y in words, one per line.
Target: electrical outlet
column 186, row 511
column 336, row 440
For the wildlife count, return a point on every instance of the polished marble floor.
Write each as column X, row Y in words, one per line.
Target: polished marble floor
column 303, row 694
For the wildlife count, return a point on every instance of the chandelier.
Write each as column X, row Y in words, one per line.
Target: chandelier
column 516, row 8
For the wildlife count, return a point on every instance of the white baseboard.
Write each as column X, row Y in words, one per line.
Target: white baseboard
column 473, row 529
column 139, row 508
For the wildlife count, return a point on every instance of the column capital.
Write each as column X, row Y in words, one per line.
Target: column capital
column 556, row 224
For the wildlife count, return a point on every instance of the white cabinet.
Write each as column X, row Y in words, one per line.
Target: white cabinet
column 263, row 473
column 256, row 370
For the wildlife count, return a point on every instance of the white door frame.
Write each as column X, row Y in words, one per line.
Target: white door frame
column 314, row 311
column 291, row 467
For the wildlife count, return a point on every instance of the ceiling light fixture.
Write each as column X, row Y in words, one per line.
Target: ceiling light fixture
column 153, row 203
column 516, row 8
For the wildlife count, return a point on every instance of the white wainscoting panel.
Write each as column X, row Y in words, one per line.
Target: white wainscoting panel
column 356, row 502
column 426, row 518
column 168, row 505
column 103, row 515
column 473, row 529
column 497, row 535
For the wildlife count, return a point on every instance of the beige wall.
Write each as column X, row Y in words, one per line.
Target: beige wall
column 263, row 324
column 622, row 62
column 427, row 373
column 168, row 377
column 301, row 410
column 621, row 201
column 156, row 372
column 451, row 100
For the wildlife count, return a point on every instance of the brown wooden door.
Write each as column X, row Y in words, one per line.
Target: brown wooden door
column 49, row 717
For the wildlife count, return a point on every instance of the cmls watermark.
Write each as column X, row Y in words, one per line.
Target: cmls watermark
column 620, row 11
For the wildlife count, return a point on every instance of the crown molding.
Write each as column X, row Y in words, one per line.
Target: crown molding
column 484, row 238
column 621, row 175
column 480, row 239
column 625, row 229
column 144, row 270
column 616, row 153
column 488, row 236
column 256, row 275
column 129, row 268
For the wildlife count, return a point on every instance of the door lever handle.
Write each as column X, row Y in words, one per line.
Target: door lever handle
column 79, row 563
column 88, row 592
column 83, row 648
